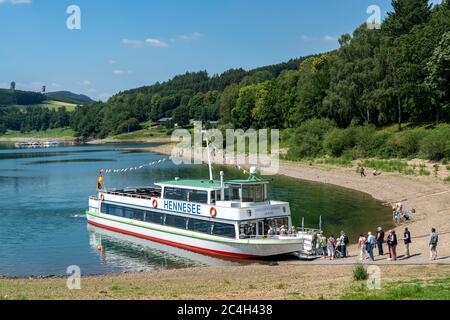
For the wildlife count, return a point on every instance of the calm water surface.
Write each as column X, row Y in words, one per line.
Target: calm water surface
column 43, row 197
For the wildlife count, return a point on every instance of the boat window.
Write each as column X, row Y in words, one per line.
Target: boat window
column 197, row 196
column 213, row 197
column 253, row 193
column 112, row 210
column 128, row 213
column 175, row 194
column 232, row 193
column 224, row 230
column 139, row 215
column 154, row 217
column 247, row 230
column 277, row 223
column 175, row 221
column 200, row 226
column 187, row 195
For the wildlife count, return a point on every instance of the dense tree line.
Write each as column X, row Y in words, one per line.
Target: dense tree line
column 17, row 97
column 396, row 74
column 27, row 119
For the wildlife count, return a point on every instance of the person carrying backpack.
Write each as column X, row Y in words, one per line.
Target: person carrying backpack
column 434, row 239
column 344, row 244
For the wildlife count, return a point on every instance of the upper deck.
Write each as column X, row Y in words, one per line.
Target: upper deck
column 236, row 200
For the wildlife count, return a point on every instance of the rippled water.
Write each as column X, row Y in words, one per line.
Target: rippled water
column 43, row 197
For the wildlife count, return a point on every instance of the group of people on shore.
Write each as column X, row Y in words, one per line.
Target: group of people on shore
column 337, row 247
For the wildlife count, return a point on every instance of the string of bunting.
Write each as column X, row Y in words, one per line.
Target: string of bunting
column 147, row 165
column 155, row 163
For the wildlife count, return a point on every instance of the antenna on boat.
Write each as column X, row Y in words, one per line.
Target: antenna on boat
column 211, row 178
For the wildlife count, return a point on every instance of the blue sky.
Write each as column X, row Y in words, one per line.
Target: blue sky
column 126, row 44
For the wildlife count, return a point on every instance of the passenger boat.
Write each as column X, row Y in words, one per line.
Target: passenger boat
column 232, row 218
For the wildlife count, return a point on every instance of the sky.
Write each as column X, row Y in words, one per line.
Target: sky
column 127, row 44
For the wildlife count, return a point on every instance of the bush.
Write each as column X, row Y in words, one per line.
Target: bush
column 436, row 145
column 407, row 144
column 307, row 140
column 339, row 140
column 360, row 273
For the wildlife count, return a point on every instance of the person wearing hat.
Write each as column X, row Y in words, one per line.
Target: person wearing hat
column 380, row 241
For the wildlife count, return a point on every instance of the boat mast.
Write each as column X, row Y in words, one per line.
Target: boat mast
column 211, row 178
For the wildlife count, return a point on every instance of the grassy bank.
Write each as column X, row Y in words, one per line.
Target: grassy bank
column 255, row 282
column 144, row 134
column 58, row 133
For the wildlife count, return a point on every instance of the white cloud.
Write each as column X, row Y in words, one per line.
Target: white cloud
column 111, row 61
column 119, row 72
column 190, row 37
column 133, row 43
column 149, row 42
column 14, row 2
column 156, row 43
column 306, row 38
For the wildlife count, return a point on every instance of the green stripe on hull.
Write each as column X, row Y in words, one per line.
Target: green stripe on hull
column 190, row 235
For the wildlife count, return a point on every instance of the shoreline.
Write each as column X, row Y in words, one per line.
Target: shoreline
column 291, row 279
column 429, row 196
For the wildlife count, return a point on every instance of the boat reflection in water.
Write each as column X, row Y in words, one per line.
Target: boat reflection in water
column 131, row 254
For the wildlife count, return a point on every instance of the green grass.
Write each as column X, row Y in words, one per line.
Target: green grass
column 387, row 165
column 48, row 134
column 438, row 289
column 144, row 134
column 52, row 105
column 342, row 162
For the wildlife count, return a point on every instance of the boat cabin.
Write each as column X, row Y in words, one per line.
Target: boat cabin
column 234, row 193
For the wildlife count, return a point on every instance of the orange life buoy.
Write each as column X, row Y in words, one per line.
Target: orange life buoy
column 102, row 197
column 213, row 212
column 155, row 204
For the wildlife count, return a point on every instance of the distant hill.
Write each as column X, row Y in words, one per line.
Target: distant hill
column 69, row 97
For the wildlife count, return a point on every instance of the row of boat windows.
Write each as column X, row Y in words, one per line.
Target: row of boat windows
column 185, row 223
column 250, row 193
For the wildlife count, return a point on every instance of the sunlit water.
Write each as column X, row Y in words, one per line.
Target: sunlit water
column 44, row 194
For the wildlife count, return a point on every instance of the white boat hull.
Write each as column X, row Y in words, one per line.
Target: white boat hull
column 242, row 248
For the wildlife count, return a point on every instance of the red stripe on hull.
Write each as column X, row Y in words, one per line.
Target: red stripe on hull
column 174, row 244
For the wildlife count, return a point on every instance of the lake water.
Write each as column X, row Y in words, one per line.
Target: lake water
column 44, row 194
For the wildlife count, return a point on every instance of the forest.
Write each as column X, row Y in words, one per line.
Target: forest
column 397, row 74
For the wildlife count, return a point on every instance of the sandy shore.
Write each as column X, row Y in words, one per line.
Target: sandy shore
column 254, row 282
column 428, row 195
column 144, row 140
